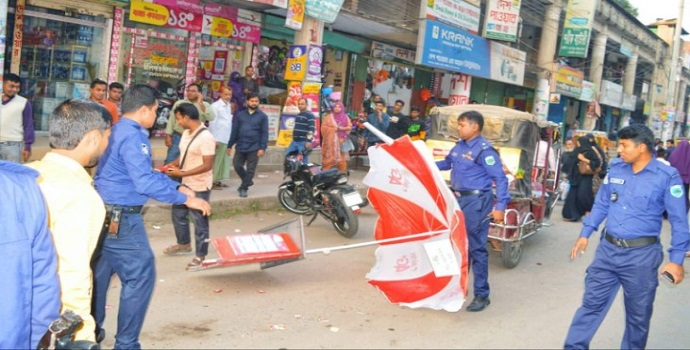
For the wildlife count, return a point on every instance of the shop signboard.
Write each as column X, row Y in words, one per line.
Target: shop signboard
column 17, row 39
column 577, row 28
column 611, row 94
column 273, row 113
column 168, row 13
column 226, row 21
column 392, row 53
column 460, row 86
column 311, row 92
column 502, row 20
column 314, row 62
column 588, row 89
column 446, row 47
column 507, row 63
column 294, row 93
column 627, row 47
column 457, row 13
column 568, row 81
column 217, row 26
column 296, row 65
column 295, row 14
column 324, row 10
column 287, row 126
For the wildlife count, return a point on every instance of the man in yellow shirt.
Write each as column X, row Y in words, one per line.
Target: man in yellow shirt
column 78, row 136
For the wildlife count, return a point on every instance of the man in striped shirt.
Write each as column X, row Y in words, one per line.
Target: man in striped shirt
column 303, row 133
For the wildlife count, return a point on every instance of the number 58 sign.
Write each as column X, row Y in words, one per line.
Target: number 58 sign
column 296, row 66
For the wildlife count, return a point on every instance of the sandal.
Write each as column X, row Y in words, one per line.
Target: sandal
column 196, row 264
column 177, row 249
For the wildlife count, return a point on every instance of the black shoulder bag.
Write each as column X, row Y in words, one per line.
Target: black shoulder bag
column 184, row 156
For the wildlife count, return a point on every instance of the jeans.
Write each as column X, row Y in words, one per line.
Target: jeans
column 174, row 150
column 299, row 147
column 180, row 218
column 11, row 151
column 128, row 255
column 247, row 175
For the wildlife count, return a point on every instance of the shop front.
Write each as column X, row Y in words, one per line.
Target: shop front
column 566, row 90
column 57, row 51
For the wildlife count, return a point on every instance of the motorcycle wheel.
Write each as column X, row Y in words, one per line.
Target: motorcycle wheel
column 346, row 222
column 287, row 200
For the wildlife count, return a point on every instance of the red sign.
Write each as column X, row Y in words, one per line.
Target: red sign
column 168, row 13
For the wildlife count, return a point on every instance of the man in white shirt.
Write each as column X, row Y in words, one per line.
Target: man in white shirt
column 195, row 167
column 221, row 127
column 16, row 122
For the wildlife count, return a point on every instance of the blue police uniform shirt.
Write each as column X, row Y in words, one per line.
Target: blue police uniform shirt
column 633, row 205
column 124, row 175
column 469, row 173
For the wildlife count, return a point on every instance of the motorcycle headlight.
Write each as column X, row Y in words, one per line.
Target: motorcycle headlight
column 342, row 180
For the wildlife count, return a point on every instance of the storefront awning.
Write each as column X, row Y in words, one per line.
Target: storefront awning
column 274, row 28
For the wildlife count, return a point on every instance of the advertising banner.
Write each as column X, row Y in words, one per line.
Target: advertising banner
column 588, row 89
column 295, row 14
column 568, row 81
column 168, row 13
column 507, row 64
column 392, row 53
column 273, row 113
column 296, row 65
column 324, row 10
column 611, row 94
column 226, row 21
column 294, row 89
column 502, row 19
column 446, row 47
column 277, row 3
column 287, row 125
column 460, row 86
column 314, row 62
column 311, row 92
column 457, row 13
column 577, row 28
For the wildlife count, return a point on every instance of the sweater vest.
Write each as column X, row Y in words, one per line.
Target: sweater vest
column 12, row 119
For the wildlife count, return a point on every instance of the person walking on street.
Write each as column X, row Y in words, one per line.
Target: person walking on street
column 97, row 93
column 303, row 133
column 221, row 128
column 16, row 122
column 173, row 132
column 31, row 289
column 250, row 138
column 337, row 145
column 125, row 181
column 78, row 137
column 632, row 199
column 474, row 166
column 198, row 148
column 378, row 119
column 581, row 194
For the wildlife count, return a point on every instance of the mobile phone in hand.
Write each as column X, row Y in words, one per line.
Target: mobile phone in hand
column 669, row 277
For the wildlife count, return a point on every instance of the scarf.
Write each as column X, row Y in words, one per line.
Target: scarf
column 341, row 119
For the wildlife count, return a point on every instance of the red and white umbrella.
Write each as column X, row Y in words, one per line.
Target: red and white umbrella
column 422, row 257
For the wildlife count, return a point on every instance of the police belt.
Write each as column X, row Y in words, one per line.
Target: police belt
column 469, row 192
column 130, row 209
column 631, row 243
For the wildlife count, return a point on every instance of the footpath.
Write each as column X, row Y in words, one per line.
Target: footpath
column 262, row 196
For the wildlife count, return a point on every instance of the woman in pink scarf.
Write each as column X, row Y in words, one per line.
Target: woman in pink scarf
column 335, row 129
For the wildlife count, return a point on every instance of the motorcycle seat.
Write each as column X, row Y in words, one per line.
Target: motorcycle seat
column 325, row 176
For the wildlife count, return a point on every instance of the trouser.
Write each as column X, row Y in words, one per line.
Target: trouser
column 299, row 147
column 636, row 270
column 181, row 215
column 11, row 151
column 128, row 255
column 475, row 209
column 246, row 174
column 174, row 149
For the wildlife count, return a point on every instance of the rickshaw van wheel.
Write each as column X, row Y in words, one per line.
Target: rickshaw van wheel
column 511, row 252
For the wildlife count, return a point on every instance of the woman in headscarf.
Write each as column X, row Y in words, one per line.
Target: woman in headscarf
column 680, row 159
column 336, row 146
column 581, row 196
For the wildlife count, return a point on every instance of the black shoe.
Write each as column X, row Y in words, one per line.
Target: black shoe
column 243, row 193
column 478, row 304
column 100, row 335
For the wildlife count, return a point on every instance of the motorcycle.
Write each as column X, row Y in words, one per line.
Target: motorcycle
column 311, row 191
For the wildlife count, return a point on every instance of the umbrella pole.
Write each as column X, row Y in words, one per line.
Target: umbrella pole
column 328, row 250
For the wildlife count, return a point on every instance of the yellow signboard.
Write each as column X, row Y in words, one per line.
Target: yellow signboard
column 146, row 12
column 222, row 27
column 296, row 67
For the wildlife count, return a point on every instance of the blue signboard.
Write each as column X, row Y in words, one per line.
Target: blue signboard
column 446, row 47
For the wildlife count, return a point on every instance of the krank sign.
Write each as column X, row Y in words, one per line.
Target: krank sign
column 296, row 66
column 446, row 47
column 166, row 13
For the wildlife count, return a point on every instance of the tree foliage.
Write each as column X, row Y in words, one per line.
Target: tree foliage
column 628, row 7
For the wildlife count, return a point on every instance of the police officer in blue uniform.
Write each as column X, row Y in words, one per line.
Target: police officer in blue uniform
column 125, row 181
column 632, row 199
column 474, row 166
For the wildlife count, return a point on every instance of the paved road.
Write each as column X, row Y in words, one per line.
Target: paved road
column 324, row 301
